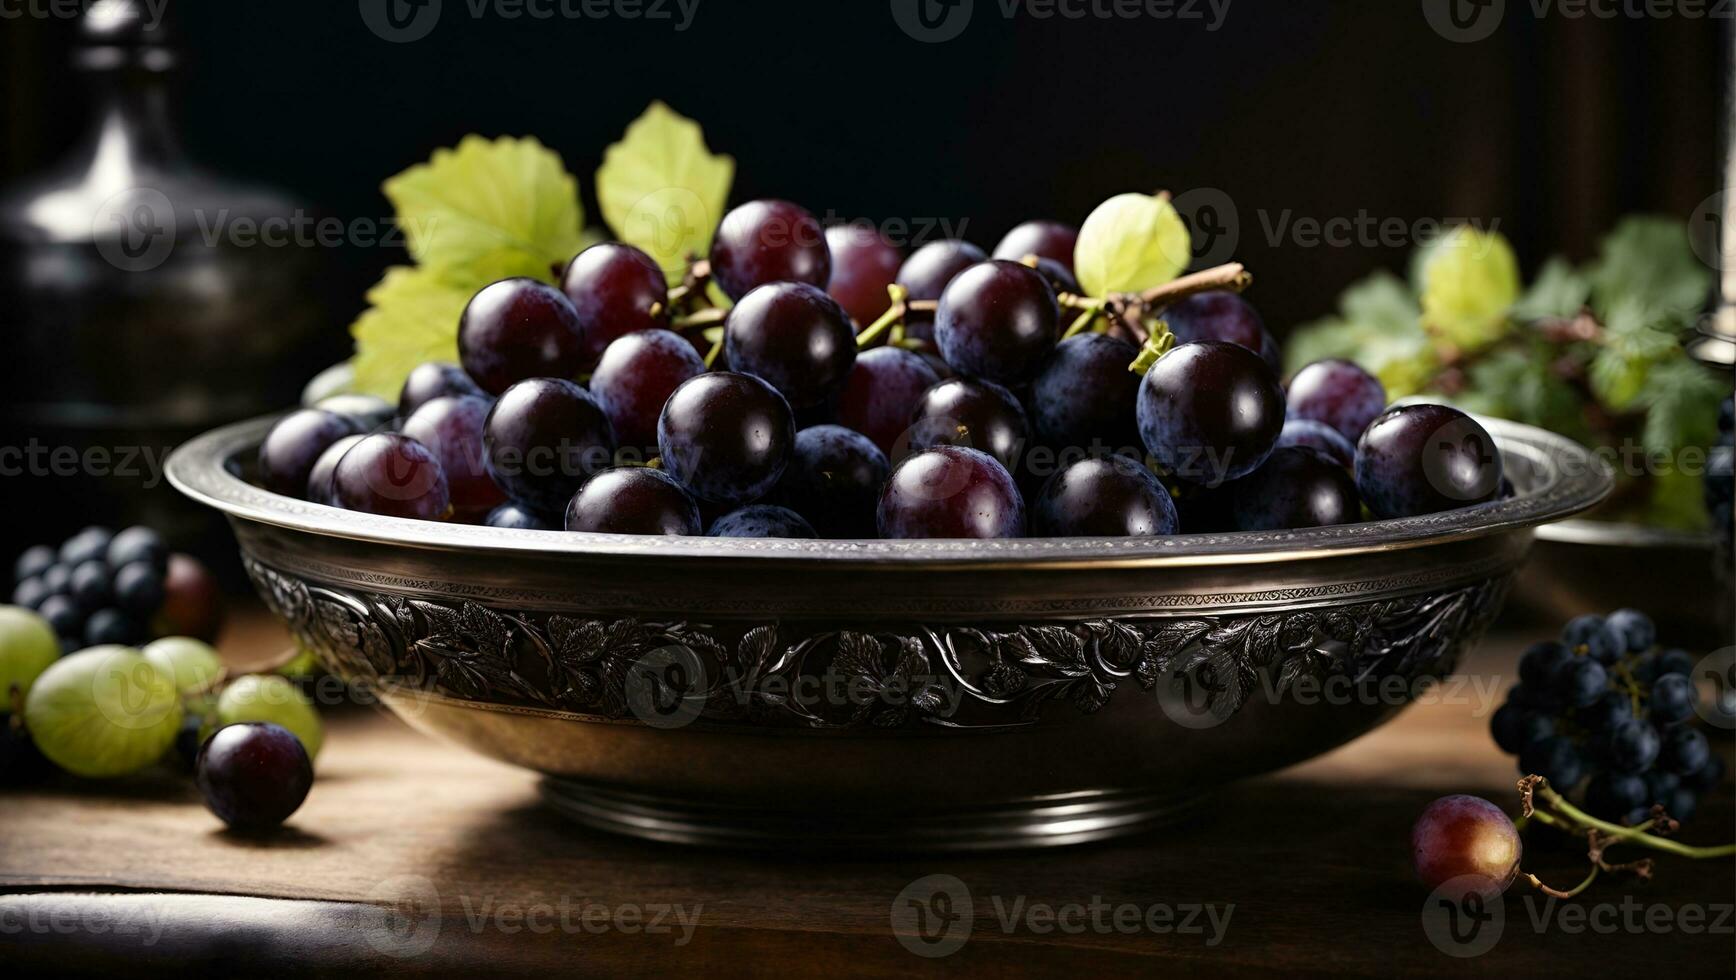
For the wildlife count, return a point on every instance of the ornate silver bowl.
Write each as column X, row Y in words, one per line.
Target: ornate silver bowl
column 902, row 694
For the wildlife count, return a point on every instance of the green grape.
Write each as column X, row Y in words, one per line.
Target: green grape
column 27, row 647
column 1131, row 243
column 192, row 663
column 1470, row 280
column 101, row 712
column 305, row 664
column 270, row 698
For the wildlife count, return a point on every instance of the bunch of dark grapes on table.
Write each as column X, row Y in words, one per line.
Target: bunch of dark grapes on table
column 99, row 586
column 851, row 391
column 1608, row 717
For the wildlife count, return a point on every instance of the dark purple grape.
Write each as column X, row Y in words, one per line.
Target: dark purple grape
column 636, row 376
column 520, row 517
column 253, row 775
column 1631, row 746
column 834, row 480
column 1540, row 662
column 112, row 626
column 726, row 437
column 632, row 500
column 63, row 616
column 90, row 544
column 761, row 521
column 517, row 329
column 794, row 337
column 1684, row 751
column 881, row 394
column 1210, row 412
column 1296, row 488
column 1554, row 758
column 543, row 439
column 1320, row 437
column 928, row 270
column 433, row 379
column 616, row 290
column 1085, row 396
column 138, row 543
column 365, row 412
column 293, row 445
column 1636, row 629
column 1045, row 239
column 30, row 593
column 319, row 479
column 951, row 492
column 768, row 241
column 1467, row 845
column 33, row 562
column 997, row 320
column 864, row 264
column 1613, row 795
column 392, row 474
column 1109, row 497
column 1708, row 778
column 139, row 588
column 452, row 429
column 966, row 412
column 1672, row 701
column 1591, row 635
column 1061, row 280
column 1609, row 710
column 1337, row 393
column 1225, row 317
column 1580, row 682
column 57, row 578
column 90, row 585
column 1421, row 459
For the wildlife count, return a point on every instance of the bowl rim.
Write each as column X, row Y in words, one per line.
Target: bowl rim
column 1566, row 479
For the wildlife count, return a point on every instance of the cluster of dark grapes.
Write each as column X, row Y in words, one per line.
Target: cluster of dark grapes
column 1606, row 707
column 101, row 587
column 584, row 407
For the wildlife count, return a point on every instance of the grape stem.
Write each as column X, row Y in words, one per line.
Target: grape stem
column 1231, row 276
column 894, row 315
column 704, row 318
column 1558, row 893
column 1572, row 819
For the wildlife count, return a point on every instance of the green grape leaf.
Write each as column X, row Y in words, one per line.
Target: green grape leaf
column 1650, row 262
column 1378, row 327
column 661, row 189
column 1680, row 399
column 1469, row 284
column 412, row 318
column 503, row 204
column 1131, row 243
column 1630, row 348
column 1558, row 293
column 1522, row 386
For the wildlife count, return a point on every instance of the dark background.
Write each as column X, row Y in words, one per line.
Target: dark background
column 1553, row 127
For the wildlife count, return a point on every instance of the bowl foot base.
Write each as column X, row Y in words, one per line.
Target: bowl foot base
column 1051, row 821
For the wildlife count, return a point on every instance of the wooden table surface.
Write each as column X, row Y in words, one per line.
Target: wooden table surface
column 415, row 857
